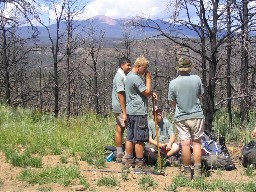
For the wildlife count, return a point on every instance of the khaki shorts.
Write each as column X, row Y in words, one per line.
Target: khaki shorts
column 190, row 129
column 120, row 119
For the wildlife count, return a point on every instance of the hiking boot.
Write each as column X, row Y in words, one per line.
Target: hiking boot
column 128, row 163
column 141, row 167
column 186, row 172
column 119, row 157
column 197, row 172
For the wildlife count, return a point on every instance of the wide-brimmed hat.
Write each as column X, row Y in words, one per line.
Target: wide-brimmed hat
column 184, row 64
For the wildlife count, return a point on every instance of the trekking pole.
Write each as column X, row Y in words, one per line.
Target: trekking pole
column 157, row 136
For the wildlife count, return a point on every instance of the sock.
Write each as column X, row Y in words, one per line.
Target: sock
column 186, row 167
column 119, row 150
column 139, row 159
column 128, row 156
column 197, row 166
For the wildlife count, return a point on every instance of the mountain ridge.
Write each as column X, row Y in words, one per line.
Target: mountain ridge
column 113, row 28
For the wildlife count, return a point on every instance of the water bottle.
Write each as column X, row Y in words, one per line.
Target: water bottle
column 110, row 157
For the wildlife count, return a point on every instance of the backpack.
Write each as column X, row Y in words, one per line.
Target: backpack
column 215, row 155
column 249, row 154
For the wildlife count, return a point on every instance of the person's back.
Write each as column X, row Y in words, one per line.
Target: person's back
column 184, row 93
column 187, row 89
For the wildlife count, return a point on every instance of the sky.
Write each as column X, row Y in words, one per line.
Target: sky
column 115, row 9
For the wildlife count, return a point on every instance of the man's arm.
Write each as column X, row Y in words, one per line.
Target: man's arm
column 171, row 141
column 121, row 98
column 173, row 103
column 154, row 142
column 148, row 91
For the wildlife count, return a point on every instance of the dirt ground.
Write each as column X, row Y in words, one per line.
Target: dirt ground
column 9, row 182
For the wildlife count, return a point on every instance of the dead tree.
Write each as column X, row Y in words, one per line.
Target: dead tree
column 57, row 55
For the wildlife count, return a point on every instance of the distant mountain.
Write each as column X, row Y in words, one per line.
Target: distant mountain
column 113, row 28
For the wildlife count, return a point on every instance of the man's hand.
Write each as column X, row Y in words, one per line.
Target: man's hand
column 169, row 146
column 154, row 95
column 125, row 117
column 147, row 75
column 162, row 145
column 253, row 134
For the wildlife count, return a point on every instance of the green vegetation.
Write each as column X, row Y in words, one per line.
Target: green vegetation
column 25, row 132
column 147, row 182
column 44, row 189
column 61, row 175
column 107, row 181
column 26, row 136
column 1, row 183
column 202, row 185
column 64, row 159
column 249, row 170
column 22, row 160
column 236, row 132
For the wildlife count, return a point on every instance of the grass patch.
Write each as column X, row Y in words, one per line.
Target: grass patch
column 147, row 182
column 61, row 175
column 107, row 181
column 202, row 185
column 22, row 160
column 44, row 189
column 64, row 159
column 249, row 170
column 1, row 183
column 45, row 135
column 26, row 136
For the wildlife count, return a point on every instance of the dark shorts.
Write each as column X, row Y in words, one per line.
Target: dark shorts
column 137, row 128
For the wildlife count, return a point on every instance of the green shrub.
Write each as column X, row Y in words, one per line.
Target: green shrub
column 107, row 181
column 61, row 175
column 147, row 182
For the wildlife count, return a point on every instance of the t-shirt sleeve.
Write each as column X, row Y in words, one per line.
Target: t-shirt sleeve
column 169, row 128
column 119, row 85
column 171, row 95
column 140, row 84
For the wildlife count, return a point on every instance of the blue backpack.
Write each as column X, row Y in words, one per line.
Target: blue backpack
column 215, row 155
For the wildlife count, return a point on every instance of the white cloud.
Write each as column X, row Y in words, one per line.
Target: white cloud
column 111, row 8
column 127, row 8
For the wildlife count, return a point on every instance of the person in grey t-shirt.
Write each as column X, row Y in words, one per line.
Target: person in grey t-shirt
column 118, row 104
column 137, row 91
column 165, row 134
column 184, row 93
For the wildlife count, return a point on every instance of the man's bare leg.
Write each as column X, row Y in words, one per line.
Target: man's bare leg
column 185, row 152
